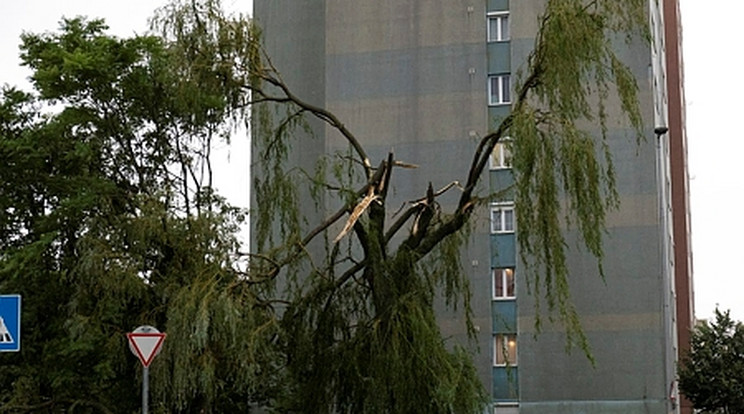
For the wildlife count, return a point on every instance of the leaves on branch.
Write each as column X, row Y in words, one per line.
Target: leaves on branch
column 109, row 221
column 711, row 375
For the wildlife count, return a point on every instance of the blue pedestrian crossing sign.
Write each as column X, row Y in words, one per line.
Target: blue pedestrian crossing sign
column 10, row 323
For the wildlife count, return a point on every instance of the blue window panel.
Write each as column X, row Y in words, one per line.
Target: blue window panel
column 498, row 5
column 505, row 384
column 499, row 57
column 504, row 316
column 503, row 250
column 497, row 112
column 502, row 179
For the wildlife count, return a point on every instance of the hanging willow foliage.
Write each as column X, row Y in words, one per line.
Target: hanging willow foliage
column 556, row 162
column 334, row 315
column 358, row 329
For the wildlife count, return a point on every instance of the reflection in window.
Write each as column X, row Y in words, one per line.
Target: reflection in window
column 503, row 283
column 499, row 89
column 502, row 219
column 501, row 155
column 505, row 349
column 498, row 27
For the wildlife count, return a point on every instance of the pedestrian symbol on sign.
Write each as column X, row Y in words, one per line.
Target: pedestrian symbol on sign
column 5, row 337
column 10, row 323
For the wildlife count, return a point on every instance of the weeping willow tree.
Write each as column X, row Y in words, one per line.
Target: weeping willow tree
column 109, row 221
column 358, row 331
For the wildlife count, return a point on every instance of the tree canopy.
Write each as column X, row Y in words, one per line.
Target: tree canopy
column 711, row 375
column 108, row 220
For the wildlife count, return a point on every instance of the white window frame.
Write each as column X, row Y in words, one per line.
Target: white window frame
column 503, row 274
column 501, row 155
column 501, row 19
column 500, row 214
column 499, row 89
column 502, row 356
column 505, row 408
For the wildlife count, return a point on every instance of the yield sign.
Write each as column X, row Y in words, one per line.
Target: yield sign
column 145, row 343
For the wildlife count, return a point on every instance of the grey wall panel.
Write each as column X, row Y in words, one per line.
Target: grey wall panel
column 604, row 407
column 622, row 316
column 403, row 72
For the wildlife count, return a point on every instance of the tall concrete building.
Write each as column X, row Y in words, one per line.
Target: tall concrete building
column 426, row 78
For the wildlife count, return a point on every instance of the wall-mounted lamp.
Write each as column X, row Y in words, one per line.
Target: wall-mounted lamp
column 660, row 130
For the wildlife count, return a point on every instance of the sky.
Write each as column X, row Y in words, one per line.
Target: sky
column 713, row 87
column 125, row 19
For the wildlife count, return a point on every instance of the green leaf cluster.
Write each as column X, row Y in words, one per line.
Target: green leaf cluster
column 711, row 375
column 563, row 167
column 108, row 221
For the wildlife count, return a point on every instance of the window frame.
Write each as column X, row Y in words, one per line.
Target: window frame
column 503, row 208
column 503, row 274
column 498, row 350
column 500, row 35
column 503, row 160
column 503, row 94
column 505, row 408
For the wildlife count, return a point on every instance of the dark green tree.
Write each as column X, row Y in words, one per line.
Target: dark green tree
column 108, row 221
column 711, row 375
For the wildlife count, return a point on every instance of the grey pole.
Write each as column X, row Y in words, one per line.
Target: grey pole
column 151, row 349
column 145, row 388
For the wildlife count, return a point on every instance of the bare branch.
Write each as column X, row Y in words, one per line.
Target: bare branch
column 320, row 113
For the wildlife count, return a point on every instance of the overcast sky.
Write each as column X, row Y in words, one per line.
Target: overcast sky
column 124, row 18
column 713, row 88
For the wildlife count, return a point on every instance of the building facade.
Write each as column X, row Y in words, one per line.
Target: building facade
column 426, row 78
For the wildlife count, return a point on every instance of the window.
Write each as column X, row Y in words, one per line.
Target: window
column 505, row 349
column 501, row 156
column 506, row 409
column 498, row 27
column 502, row 219
column 499, row 90
column 503, row 283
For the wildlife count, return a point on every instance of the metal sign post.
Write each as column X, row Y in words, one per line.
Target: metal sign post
column 145, row 389
column 145, row 343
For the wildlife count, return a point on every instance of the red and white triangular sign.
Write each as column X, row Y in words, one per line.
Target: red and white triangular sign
column 145, row 343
